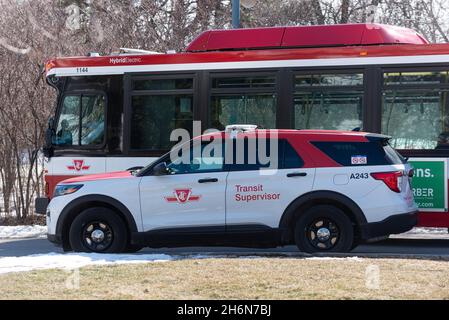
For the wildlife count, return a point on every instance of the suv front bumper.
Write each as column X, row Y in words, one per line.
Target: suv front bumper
column 398, row 223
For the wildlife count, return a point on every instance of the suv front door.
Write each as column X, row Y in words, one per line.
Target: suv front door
column 191, row 195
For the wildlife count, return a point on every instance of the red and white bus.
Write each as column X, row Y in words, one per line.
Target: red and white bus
column 117, row 112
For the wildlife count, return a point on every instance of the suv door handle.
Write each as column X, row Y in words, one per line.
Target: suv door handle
column 296, row 174
column 206, row 180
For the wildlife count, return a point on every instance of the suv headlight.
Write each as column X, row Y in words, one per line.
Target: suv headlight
column 64, row 189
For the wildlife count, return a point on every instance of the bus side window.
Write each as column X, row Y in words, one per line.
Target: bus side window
column 415, row 109
column 159, row 106
column 328, row 101
column 243, row 99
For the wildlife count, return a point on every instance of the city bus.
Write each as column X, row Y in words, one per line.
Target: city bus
column 116, row 112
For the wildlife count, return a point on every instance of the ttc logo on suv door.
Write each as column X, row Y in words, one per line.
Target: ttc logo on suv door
column 182, row 196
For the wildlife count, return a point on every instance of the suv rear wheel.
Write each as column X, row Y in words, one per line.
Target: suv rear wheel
column 324, row 228
column 99, row 230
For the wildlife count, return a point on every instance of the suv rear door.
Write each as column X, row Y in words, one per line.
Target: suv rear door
column 256, row 195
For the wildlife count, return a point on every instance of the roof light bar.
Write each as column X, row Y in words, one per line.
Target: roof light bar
column 240, row 127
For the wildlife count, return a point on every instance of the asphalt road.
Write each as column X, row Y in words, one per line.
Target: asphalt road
column 403, row 247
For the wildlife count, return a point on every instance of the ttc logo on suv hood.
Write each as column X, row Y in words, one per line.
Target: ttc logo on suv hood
column 78, row 165
column 182, row 196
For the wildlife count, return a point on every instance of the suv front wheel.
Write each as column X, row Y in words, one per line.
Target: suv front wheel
column 98, row 230
column 324, row 228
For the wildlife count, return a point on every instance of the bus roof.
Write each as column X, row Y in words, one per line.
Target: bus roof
column 367, row 44
column 304, row 37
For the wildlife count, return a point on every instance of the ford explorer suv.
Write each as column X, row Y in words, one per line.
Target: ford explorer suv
column 325, row 191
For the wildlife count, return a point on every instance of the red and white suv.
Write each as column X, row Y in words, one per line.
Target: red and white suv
column 320, row 190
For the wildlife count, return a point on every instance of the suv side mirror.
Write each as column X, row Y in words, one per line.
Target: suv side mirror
column 161, row 169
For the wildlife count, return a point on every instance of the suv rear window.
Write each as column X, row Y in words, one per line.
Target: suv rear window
column 373, row 153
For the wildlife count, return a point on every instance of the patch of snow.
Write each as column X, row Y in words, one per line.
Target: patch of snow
column 335, row 258
column 15, row 232
column 420, row 230
column 423, row 233
column 74, row 260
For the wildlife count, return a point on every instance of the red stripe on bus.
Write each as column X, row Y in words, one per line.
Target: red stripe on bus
column 253, row 55
column 433, row 219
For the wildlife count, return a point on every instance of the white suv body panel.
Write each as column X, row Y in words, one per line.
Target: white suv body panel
column 373, row 197
column 125, row 190
column 266, row 196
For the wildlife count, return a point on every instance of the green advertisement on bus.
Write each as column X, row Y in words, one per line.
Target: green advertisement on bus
column 429, row 183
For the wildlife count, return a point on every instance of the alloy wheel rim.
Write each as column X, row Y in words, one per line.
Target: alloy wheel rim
column 323, row 233
column 97, row 236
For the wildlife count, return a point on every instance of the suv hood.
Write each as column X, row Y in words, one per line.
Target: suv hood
column 103, row 176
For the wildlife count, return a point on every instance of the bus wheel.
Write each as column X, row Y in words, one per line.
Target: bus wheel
column 98, row 230
column 324, row 228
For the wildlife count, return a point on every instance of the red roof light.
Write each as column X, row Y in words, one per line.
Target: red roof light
column 304, row 37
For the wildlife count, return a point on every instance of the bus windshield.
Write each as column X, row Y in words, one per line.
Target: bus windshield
column 81, row 121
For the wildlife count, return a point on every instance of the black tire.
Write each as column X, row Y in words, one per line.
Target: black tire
column 324, row 228
column 104, row 222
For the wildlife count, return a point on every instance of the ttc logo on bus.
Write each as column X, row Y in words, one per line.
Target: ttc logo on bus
column 78, row 165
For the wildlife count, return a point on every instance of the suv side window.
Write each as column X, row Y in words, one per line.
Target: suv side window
column 286, row 156
column 372, row 153
column 201, row 158
column 291, row 157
